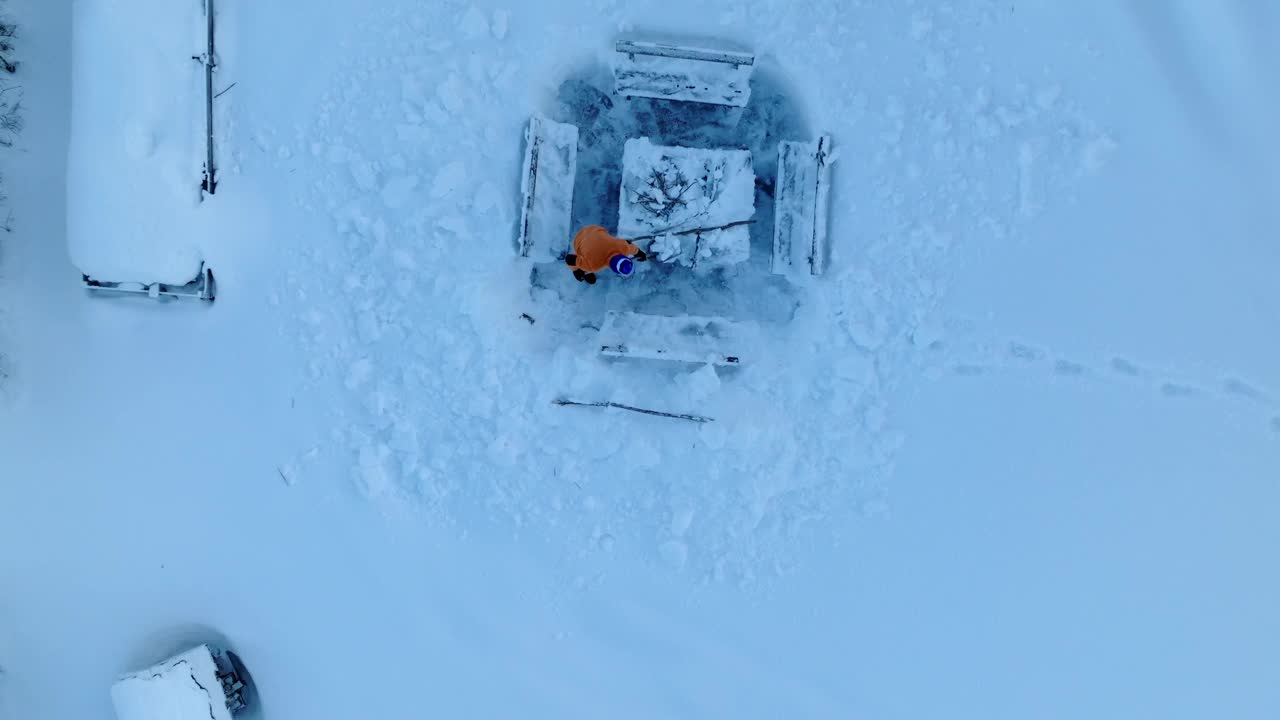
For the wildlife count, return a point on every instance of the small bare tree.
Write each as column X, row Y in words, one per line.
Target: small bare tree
column 664, row 191
column 8, row 31
column 10, row 96
column 10, row 93
column 10, row 113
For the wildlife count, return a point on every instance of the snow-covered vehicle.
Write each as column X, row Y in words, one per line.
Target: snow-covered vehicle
column 141, row 153
column 202, row 683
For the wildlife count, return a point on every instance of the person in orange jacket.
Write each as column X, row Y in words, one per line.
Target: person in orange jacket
column 594, row 249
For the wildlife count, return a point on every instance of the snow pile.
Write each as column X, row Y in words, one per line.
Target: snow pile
column 183, row 687
column 667, row 189
column 665, row 247
column 137, row 141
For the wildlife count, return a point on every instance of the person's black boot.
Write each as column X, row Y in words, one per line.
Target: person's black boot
column 570, row 259
column 578, row 275
column 591, row 278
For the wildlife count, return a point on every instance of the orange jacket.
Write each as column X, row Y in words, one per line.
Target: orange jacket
column 595, row 247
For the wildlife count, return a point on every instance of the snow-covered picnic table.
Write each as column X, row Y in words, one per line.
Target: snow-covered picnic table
column 675, row 189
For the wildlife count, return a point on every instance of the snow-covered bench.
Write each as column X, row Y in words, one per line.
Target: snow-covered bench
column 671, row 72
column 138, row 155
column 202, row 287
column 200, row 683
column 801, row 205
column 686, row 338
column 550, row 165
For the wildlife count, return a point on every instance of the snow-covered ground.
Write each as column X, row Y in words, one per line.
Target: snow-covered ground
column 1016, row 454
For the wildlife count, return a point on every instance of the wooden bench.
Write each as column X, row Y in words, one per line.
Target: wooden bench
column 802, row 198
column 671, row 72
column 685, row 338
column 550, row 165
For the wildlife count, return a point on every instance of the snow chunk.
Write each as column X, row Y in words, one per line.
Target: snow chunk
column 398, row 191
column 701, row 383
column 450, row 93
column 665, row 247
column 473, row 23
column 501, row 18
column 449, row 178
column 1096, row 153
column 378, row 473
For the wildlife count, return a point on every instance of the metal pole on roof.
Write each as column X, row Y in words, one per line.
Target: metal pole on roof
column 210, row 171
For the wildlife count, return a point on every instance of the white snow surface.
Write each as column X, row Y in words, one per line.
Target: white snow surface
column 184, row 687
column 1013, row 455
column 137, row 142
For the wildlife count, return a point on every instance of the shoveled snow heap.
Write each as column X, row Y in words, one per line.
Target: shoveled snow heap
column 184, row 686
column 136, row 150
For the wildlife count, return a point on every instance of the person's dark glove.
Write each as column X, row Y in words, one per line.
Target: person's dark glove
column 591, row 278
column 641, row 256
column 579, row 275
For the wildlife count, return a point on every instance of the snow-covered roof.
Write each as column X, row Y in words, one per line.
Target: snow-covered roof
column 183, row 687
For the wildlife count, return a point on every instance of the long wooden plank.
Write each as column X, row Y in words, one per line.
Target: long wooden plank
column 730, row 57
column 530, row 187
column 821, row 209
column 564, row 402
